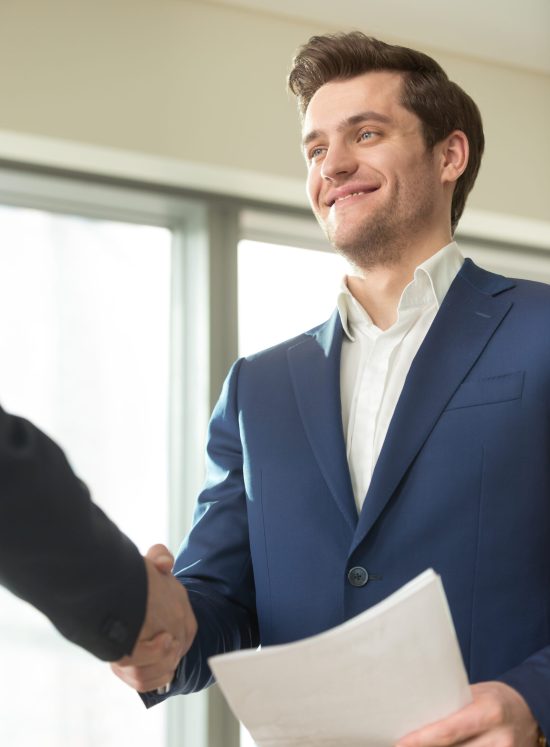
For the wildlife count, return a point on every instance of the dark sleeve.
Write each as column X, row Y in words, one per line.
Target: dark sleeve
column 60, row 552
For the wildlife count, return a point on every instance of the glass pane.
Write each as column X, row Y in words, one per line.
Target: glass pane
column 283, row 291
column 84, row 345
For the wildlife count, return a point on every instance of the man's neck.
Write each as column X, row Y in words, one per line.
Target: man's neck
column 378, row 289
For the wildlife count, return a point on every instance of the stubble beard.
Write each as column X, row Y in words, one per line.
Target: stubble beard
column 385, row 236
column 378, row 242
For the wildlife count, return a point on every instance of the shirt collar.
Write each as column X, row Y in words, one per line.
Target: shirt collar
column 432, row 279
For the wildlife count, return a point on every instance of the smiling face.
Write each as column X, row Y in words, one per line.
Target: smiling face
column 373, row 186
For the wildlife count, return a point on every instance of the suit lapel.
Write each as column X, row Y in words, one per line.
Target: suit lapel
column 315, row 372
column 469, row 315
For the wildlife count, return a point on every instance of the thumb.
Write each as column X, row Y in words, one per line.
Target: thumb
column 161, row 556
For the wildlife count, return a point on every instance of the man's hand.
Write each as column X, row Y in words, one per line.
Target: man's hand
column 497, row 717
column 168, row 629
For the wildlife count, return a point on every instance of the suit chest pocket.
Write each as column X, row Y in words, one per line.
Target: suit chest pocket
column 490, row 390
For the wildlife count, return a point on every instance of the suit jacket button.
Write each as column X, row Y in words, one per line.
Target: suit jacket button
column 116, row 631
column 358, row 576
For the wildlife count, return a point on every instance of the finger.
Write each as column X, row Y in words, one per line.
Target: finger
column 149, row 651
column 483, row 740
column 150, row 677
column 492, row 738
column 136, row 679
column 144, row 682
column 161, row 556
column 144, row 679
column 469, row 722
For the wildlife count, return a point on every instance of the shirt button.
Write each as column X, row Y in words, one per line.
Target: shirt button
column 358, row 576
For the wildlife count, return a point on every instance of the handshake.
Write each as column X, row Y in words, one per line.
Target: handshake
column 167, row 631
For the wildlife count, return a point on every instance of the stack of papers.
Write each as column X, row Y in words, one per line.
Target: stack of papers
column 368, row 682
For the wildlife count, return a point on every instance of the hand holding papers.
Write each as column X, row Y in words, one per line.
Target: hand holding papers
column 371, row 680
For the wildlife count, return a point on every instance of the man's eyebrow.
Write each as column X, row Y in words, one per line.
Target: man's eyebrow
column 355, row 119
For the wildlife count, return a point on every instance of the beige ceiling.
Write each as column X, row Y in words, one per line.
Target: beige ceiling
column 511, row 32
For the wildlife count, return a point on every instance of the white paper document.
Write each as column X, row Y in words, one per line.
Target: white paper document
column 365, row 683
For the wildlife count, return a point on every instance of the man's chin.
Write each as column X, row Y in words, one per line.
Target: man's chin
column 370, row 250
column 348, row 244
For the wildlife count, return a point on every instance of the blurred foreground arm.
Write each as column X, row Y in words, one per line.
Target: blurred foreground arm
column 60, row 552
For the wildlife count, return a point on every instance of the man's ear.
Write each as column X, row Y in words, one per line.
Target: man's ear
column 455, row 151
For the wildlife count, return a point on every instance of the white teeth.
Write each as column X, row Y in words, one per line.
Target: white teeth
column 353, row 194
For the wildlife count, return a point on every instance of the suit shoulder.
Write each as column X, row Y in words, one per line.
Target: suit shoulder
column 532, row 292
column 280, row 349
column 528, row 293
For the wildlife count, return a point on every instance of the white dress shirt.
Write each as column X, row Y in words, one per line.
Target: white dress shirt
column 375, row 363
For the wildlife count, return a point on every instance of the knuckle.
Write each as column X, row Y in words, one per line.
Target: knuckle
column 130, row 674
column 153, row 684
column 448, row 736
column 178, row 653
column 494, row 713
column 170, row 671
column 131, row 681
column 505, row 738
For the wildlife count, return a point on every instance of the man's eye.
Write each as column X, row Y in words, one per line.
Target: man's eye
column 367, row 135
column 315, row 153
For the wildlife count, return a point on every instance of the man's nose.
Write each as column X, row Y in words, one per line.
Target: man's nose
column 338, row 162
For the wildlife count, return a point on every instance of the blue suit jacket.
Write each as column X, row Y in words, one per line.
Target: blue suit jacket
column 462, row 485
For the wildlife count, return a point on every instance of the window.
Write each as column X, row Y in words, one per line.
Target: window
column 283, row 291
column 84, row 346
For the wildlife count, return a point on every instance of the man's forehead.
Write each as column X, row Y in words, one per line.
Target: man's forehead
column 369, row 92
column 353, row 120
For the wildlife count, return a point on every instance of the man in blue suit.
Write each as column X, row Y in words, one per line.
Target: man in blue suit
column 411, row 430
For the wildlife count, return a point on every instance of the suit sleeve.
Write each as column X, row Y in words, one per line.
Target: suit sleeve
column 214, row 561
column 60, row 552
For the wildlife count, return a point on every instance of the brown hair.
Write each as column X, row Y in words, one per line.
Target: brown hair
column 441, row 105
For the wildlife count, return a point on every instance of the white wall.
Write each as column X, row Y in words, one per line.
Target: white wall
column 199, row 82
